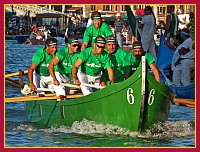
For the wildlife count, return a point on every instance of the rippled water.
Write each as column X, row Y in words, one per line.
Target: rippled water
column 178, row 131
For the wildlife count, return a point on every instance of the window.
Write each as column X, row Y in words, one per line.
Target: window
column 116, row 8
column 107, row 8
column 93, row 7
column 162, row 10
column 134, row 7
column 123, row 8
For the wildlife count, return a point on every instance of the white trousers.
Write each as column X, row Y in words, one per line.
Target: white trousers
column 177, row 77
column 148, row 44
column 187, row 67
column 83, row 78
column 47, row 82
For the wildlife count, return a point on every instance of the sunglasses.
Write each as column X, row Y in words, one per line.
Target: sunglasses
column 99, row 46
column 75, row 45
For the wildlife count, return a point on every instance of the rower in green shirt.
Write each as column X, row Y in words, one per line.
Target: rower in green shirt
column 91, row 62
column 117, row 58
column 133, row 59
column 98, row 28
column 38, row 74
column 60, row 66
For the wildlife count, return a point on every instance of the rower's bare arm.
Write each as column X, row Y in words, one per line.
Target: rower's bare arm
column 155, row 71
column 111, row 75
column 53, row 63
column 84, row 46
column 167, row 25
column 32, row 67
column 126, row 75
column 75, row 71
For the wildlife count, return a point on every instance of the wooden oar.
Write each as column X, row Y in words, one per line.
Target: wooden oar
column 10, row 83
column 36, row 98
column 15, row 74
column 184, row 102
column 83, row 84
column 14, row 81
column 187, row 101
column 52, row 90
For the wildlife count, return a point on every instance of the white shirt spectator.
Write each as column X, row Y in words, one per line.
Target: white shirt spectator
column 188, row 45
column 89, row 22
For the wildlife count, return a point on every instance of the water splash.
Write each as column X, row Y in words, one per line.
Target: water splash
column 167, row 130
column 171, row 129
column 86, row 127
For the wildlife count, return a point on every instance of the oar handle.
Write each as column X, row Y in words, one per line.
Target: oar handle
column 92, row 86
column 83, row 84
column 69, row 85
column 36, row 98
column 15, row 74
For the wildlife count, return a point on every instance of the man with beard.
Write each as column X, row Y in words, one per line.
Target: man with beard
column 133, row 59
column 98, row 28
column 117, row 58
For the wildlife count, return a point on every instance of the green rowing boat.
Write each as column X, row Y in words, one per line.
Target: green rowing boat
column 134, row 104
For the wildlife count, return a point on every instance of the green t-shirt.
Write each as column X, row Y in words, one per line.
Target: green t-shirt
column 91, row 33
column 42, row 59
column 173, row 25
column 131, row 63
column 117, row 63
column 191, row 26
column 92, row 64
column 66, row 61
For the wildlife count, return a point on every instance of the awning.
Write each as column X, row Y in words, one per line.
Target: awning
column 74, row 9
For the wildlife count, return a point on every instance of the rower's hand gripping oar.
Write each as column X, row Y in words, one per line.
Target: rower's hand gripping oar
column 27, row 90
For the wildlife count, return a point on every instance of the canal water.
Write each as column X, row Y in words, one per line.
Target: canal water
column 178, row 131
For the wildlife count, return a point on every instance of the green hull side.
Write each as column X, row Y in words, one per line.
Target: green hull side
column 118, row 104
column 157, row 102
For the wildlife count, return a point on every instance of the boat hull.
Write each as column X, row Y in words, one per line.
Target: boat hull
column 35, row 41
column 186, row 92
column 119, row 104
column 22, row 38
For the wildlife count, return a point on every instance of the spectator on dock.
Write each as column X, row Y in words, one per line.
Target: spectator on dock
column 119, row 29
column 191, row 25
column 10, row 26
column 186, row 59
column 148, row 26
column 171, row 24
column 175, row 66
